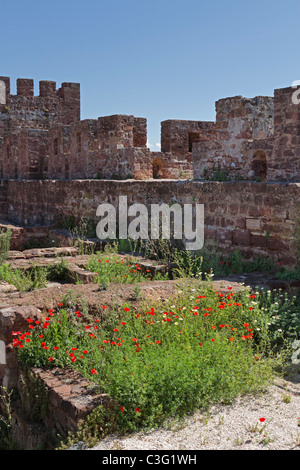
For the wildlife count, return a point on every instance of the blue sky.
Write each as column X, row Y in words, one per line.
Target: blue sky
column 159, row 59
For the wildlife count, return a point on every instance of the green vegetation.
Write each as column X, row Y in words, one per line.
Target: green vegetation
column 159, row 360
column 36, row 277
column 204, row 345
column 5, row 236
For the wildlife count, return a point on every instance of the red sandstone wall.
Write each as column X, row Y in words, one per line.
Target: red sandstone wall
column 178, row 136
column 257, row 218
column 51, row 107
column 284, row 164
column 240, row 122
column 169, row 166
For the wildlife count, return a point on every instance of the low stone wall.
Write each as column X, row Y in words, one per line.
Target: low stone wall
column 257, row 218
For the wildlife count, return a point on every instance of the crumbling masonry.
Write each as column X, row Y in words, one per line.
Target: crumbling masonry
column 53, row 165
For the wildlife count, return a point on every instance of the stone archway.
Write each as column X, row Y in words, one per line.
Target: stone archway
column 259, row 165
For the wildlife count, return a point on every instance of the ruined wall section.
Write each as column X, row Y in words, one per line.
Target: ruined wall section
column 169, row 166
column 32, row 154
column 59, row 152
column 177, row 140
column 284, row 163
column 110, row 147
column 178, row 136
column 239, row 122
column 26, row 118
column 51, row 107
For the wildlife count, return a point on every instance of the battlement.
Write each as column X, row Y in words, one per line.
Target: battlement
column 47, row 88
column 51, row 107
column 43, row 137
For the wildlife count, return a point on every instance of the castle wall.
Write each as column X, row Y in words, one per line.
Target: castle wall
column 178, row 136
column 256, row 218
column 59, row 152
column 239, row 122
column 169, row 166
column 51, row 107
column 284, row 164
column 106, row 147
column 118, row 131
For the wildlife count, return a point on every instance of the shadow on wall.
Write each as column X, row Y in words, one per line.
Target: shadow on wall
column 259, row 165
column 157, row 167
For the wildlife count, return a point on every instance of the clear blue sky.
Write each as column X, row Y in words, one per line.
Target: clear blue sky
column 159, row 59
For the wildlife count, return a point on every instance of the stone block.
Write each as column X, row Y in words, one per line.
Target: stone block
column 253, row 225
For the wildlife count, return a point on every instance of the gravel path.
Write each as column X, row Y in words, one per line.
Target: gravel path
column 229, row 427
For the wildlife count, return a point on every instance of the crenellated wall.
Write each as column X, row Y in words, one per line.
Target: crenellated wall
column 52, row 106
column 53, row 165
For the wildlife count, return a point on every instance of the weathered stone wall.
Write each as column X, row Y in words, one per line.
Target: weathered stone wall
column 178, row 136
column 257, row 218
column 32, row 161
column 59, row 152
column 3, row 199
column 24, row 121
column 239, row 123
column 106, row 147
column 244, row 118
column 284, row 163
column 169, row 166
column 51, row 107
